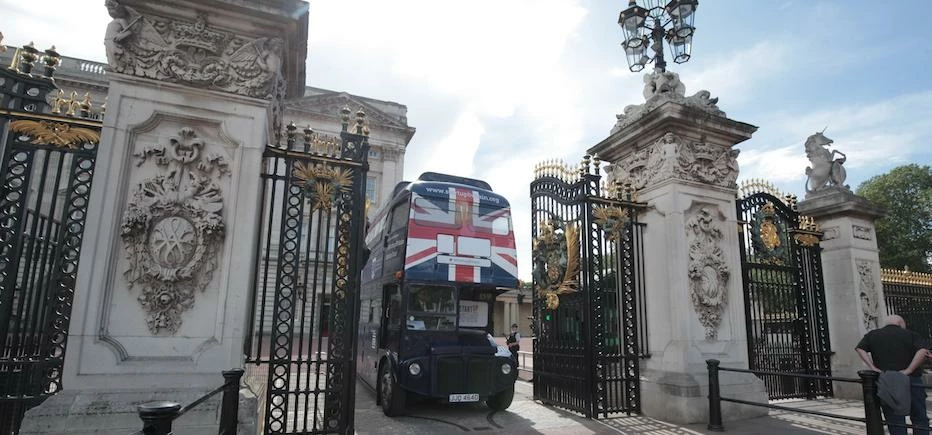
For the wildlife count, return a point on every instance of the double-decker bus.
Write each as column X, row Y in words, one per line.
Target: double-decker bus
column 440, row 251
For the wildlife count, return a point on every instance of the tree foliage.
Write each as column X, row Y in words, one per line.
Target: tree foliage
column 904, row 235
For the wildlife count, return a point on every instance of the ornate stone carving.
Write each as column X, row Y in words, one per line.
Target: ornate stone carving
column 673, row 157
column 826, row 170
column 709, row 164
column 867, row 287
column 830, row 233
column 192, row 53
column 660, row 87
column 708, row 272
column 173, row 228
column 859, row 232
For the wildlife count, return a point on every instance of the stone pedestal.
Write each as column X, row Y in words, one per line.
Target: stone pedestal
column 678, row 154
column 162, row 294
column 851, row 269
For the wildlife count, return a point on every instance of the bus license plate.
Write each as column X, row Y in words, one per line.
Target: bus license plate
column 464, row 398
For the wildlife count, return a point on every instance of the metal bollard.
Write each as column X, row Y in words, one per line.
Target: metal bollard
column 715, row 398
column 157, row 417
column 229, row 410
column 874, row 420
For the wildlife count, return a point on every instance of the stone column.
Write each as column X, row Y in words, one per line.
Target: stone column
column 162, row 294
column 388, row 179
column 677, row 152
column 851, row 270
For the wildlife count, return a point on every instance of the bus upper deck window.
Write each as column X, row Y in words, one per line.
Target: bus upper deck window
column 501, row 226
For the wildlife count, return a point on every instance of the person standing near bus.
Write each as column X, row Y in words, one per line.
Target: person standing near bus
column 514, row 342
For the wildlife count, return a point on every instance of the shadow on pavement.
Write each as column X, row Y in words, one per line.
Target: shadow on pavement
column 525, row 416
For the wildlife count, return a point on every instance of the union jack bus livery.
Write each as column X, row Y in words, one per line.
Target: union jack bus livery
column 440, row 251
column 460, row 234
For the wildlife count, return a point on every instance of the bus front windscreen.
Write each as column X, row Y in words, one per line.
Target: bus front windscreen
column 431, row 307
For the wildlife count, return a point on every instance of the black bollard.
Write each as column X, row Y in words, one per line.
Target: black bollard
column 229, row 408
column 874, row 420
column 715, row 398
column 157, row 417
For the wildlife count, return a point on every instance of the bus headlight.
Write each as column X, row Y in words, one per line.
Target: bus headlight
column 414, row 369
column 506, row 369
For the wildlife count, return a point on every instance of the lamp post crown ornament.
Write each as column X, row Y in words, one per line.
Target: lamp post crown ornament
column 657, row 22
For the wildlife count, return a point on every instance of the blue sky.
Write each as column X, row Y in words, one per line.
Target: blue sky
column 495, row 86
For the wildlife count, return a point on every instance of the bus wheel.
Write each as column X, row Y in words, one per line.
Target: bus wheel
column 501, row 401
column 392, row 395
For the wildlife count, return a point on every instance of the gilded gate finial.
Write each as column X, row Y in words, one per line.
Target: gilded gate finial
column 362, row 127
column 57, row 102
column 344, row 116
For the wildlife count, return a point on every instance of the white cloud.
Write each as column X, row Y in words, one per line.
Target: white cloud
column 56, row 22
column 774, row 164
column 734, row 76
column 454, row 153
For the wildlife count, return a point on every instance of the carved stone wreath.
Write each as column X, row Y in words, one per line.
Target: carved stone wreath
column 708, row 272
column 555, row 254
column 173, row 228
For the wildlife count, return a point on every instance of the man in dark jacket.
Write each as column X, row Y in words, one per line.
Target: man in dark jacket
column 894, row 347
column 514, row 342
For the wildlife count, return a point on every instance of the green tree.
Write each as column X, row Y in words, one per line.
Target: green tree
column 904, row 235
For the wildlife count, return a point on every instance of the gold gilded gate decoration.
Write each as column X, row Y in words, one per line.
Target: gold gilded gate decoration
column 556, row 261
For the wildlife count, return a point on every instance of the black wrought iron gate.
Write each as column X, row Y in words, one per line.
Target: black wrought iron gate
column 46, row 169
column 787, row 323
column 309, row 260
column 588, row 292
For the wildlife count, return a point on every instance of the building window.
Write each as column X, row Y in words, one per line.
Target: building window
column 373, row 154
column 372, row 193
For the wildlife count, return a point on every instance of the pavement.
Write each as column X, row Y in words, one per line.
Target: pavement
column 526, row 416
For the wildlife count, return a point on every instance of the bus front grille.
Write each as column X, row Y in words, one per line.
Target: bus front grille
column 461, row 374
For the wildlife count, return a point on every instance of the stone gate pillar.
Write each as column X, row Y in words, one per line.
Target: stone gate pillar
column 677, row 152
column 162, row 295
column 851, row 268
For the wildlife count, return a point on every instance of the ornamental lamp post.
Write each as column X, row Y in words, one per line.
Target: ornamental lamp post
column 652, row 24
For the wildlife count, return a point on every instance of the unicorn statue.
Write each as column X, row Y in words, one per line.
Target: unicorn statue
column 826, row 170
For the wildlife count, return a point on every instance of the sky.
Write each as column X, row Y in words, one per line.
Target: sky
column 495, row 86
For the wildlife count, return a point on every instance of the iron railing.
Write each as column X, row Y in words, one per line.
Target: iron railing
column 873, row 417
column 47, row 160
column 909, row 294
column 157, row 417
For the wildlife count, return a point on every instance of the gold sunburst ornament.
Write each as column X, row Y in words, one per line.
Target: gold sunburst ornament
column 612, row 220
column 556, row 261
column 323, row 183
column 54, row 133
